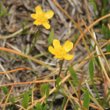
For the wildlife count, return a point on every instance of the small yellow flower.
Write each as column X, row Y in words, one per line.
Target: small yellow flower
column 41, row 17
column 61, row 52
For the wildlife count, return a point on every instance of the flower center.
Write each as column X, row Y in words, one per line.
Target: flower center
column 41, row 18
column 60, row 52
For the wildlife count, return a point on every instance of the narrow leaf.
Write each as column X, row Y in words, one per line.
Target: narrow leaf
column 58, row 81
column 25, row 100
column 91, row 69
column 44, row 89
column 5, row 89
column 38, row 106
column 51, row 36
column 108, row 48
column 86, row 100
column 106, row 31
column 74, row 76
column 93, row 3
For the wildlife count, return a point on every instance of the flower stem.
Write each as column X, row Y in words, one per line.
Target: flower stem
column 61, row 66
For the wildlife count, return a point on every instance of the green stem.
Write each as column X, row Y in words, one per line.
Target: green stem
column 61, row 66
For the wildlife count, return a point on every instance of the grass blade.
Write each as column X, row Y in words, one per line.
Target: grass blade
column 91, row 69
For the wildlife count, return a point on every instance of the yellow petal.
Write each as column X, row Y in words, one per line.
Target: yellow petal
column 68, row 57
column 49, row 14
column 34, row 16
column 56, row 44
column 36, row 22
column 38, row 9
column 68, row 46
column 46, row 25
column 59, row 57
column 51, row 49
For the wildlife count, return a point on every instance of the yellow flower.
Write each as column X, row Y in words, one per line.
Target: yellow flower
column 41, row 17
column 61, row 52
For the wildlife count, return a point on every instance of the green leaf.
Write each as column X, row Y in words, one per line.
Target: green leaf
column 45, row 107
column 91, row 69
column 76, row 36
column 38, row 106
column 74, row 76
column 108, row 48
column 26, row 99
column 58, row 81
column 106, row 32
column 3, row 11
column 44, row 89
column 93, row 3
column 86, row 100
column 105, row 8
column 51, row 36
column 5, row 89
